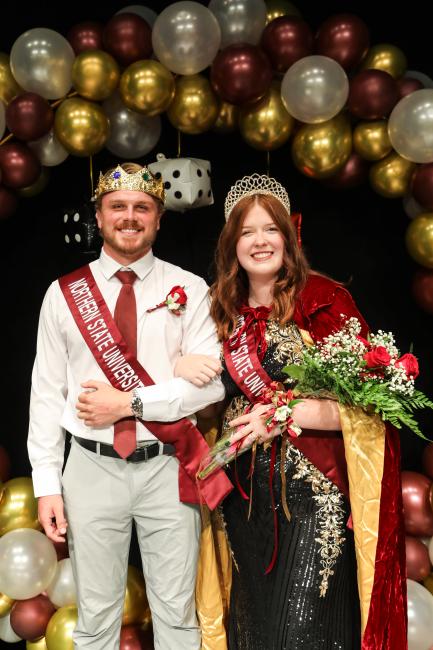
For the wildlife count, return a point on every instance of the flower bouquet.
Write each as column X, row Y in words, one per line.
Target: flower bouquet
column 369, row 373
column 281, row 403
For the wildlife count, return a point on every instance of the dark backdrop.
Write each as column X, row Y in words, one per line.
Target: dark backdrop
column 351, row 235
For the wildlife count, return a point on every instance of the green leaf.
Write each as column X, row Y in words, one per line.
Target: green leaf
column 297, row 372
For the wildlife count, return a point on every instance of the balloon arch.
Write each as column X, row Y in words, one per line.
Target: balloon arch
column 350, row 112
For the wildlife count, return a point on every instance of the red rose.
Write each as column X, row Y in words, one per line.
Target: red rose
column 410, row 365
column 364, row 341
column 378, row 356
column 181, row 295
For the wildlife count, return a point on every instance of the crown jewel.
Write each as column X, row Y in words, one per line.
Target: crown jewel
column 255, row 184
column 140, row 181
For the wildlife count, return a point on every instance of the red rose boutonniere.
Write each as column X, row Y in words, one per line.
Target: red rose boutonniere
column 175, row 301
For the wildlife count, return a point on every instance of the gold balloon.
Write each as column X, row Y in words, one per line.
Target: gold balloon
column 81, row 126
column 277, row 8
column 58, row 635
column 391, row 176
column 419, row 239
column 266, row 125
column 194, row 108
column 371, row 140
column 386, row 57
column 8, row 86
column 227, row 119
column 136, row 607
column 428, row 583
column 5, row 605
column 40, row 644
column 37, row 187
column 95, row 75
column 320, row 150
column 147, row 87
column 18, row 506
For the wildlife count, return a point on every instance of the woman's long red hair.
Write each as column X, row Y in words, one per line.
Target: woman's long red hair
column 230, row 290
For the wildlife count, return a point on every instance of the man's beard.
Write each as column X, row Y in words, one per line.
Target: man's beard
column 129, row 247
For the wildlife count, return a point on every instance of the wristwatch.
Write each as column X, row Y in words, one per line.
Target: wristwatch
column 136, row 404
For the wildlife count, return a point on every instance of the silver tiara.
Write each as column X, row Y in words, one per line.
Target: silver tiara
column 255, row 184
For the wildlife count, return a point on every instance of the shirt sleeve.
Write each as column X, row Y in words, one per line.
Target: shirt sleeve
column 46, row 439
column 177, row 398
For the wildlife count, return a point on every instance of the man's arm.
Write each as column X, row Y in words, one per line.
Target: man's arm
column 46, row 439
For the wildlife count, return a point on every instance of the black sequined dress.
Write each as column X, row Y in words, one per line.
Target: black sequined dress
column 309, row 601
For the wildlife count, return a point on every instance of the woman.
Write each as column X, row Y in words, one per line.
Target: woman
column 294, row 585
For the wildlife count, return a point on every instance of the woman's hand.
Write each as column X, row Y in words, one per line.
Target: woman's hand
column 199, row 369
column 251, row 426
column 317, row 414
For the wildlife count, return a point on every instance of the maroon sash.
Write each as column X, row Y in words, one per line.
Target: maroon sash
column 247, row 372
column 124, row 372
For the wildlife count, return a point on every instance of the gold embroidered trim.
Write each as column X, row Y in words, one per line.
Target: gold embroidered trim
column 330, row 515
column 288, row 340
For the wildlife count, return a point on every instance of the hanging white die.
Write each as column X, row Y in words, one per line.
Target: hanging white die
column 186, row 182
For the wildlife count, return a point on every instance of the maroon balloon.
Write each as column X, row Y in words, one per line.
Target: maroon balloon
column 5, row 461
column 427, row 458
column 372, row 95
column 422, row 289
column 241, row 74
column 406, row 86
column 345, row 38
column 132, row 637
column 86, row 36
column 285, row 40
column 19, row 165
column 128, row 38
column 422, row 185
column 418, row 513
column 354, row 173
column 62, row 550
column 29, row 618
column 8, row 202
column 417, row 559
column 29, row 116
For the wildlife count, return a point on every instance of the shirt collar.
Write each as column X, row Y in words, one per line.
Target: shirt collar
column 141, row 267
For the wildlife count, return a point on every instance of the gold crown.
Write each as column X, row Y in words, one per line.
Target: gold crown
column 140, row 181
column 255, row 184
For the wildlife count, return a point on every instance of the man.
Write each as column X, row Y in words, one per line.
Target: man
column 126, row 317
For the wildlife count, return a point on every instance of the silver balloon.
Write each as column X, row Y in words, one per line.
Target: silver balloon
column 241, row 21
column 28, row 563
column 49, row 150
column 410, row 126
column 412, row 209
column 420, row 616
column 144, row 12
column 6, row 632
column 2, row 119
column 41, row 62
column 132, row 134
column 62, row 591
column 419, row 76
column 314, row 89
column 186, row 37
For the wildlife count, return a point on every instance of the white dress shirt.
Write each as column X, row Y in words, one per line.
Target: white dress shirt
column 63, row 361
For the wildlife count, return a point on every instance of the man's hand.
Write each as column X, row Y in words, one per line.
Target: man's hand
column 102, row 405
column 52, row 517
column 199, row 369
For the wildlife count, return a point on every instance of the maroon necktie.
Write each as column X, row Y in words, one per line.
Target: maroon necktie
column 125, row 317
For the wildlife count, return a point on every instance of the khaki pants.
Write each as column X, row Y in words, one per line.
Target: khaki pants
column 103, row 496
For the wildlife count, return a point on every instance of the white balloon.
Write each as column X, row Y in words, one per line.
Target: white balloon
column 186, row 37
column 2, row 119
column 314, row 89
column 144, row 12
column 49, row 150
column 6, row 632
column 241, row 21
column 420, row 76
column 420, row 616
column 28, row 563
column 62, row 591
column 410, row 126
column 41, row 62
column 132, row 135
